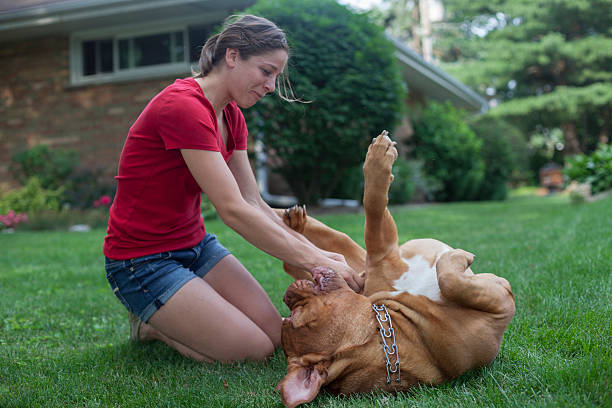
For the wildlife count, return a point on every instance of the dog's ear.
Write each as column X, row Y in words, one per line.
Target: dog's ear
column 302, row 315
column 301, row 384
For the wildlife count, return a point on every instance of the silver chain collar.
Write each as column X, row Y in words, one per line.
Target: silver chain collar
column 388, row 333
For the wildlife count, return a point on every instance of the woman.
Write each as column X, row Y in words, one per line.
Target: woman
column 178, row 283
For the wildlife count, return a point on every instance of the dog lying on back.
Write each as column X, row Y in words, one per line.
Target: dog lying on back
column 423, row 316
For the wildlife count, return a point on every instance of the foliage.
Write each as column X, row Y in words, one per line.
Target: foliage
column 52, row 167
column 207, row 210
column 403, row 187
column 450, row 152
column 503, row 151
column 548, row 62
column 595, row 169
column 344, row 65
column 351, row 187
column 84, row 186
column 398, row 18
column 56, row 168
column 31, row 198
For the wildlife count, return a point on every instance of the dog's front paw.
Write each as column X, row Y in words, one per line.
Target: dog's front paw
column 295, row 217
column 381, row 155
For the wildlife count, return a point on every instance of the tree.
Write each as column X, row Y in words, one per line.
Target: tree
column 341, row 62
column 410, row 22
column 547, row 63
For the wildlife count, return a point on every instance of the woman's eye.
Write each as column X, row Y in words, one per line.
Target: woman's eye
column 266, row 72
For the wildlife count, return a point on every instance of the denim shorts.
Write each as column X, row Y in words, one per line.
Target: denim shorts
column 145, row 284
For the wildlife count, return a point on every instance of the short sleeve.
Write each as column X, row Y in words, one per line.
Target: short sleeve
column 184, row 122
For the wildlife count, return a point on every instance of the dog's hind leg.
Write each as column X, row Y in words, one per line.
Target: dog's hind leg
column 323, row 237
column 380, row 230
column 484, row 291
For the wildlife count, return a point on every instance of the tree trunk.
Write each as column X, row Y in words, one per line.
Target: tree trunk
column 416, row 25
column 603, row 135
column 572, row 146
column 427, row 42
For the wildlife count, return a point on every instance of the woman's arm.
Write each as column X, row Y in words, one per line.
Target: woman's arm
column 243, row 174
column 247, row 218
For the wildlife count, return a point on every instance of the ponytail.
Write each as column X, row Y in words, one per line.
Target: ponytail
column 207, row 57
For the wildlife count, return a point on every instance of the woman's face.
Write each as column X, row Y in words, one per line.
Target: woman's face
column 252, row 78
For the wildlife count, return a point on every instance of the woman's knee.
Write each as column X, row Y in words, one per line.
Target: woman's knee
column 263, row 352
column 254, row 347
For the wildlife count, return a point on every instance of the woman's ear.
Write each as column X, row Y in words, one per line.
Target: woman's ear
column 231, row 57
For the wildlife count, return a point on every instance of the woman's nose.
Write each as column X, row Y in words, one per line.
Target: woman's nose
column 270, row 85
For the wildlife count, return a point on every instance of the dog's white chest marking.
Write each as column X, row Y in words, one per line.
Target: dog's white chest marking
column 421, row 279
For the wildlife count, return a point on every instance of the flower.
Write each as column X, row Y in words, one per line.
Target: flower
column 103, row 201
column 11, row 219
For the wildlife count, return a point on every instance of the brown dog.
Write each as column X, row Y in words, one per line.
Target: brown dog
column 423, row 316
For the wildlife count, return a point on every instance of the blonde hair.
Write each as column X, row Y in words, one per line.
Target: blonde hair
column 250, row 35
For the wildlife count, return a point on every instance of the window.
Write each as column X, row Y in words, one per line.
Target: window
column 97, row 56
column 103, row 58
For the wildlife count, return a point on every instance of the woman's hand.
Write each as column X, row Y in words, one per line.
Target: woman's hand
column 354, row 281
column 334, row 256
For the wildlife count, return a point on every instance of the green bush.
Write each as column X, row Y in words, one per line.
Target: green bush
column 207, row 210
column 450, row 152
column 595, row 169
column 503, row 152
column 403, row 186
column 84, row 186
column 343, row 63
column 31, row 198
column 52, row 167
column 401, row 190
column 56, row 168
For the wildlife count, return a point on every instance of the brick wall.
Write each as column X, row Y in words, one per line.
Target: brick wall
column 38, row 106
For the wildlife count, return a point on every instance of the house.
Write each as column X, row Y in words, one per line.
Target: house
column 77, row 73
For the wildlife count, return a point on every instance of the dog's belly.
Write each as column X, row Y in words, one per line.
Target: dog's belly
column 420, row 279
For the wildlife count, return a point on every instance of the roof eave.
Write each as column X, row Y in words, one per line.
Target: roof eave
column 416, row 70
column 59, row 17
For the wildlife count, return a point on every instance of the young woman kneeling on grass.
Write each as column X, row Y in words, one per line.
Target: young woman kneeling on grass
column 179, row 284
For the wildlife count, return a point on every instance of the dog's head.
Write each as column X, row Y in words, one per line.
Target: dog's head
column 327, row 318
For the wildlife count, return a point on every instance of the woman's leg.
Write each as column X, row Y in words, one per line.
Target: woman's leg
column 226, row 316
column 236, row 285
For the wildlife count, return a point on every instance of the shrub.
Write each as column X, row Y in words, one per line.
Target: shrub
column 31, row 198
column 403, row 186
column 56, row 168
column 450, row 152
column 51, row 167
column 343, row 63
column 12, row 219
column 207, row 210
column 83, row 187
column 595, row 169
column 502, row 146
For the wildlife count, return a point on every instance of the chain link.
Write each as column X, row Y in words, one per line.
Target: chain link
column 388, row 333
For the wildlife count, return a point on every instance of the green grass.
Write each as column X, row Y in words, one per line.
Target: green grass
column 64, row 337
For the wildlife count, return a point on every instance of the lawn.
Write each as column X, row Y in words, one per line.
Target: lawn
column 64, row 337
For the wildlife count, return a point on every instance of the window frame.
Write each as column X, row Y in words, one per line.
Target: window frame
column 122, row 32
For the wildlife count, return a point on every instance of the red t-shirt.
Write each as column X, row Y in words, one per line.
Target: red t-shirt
column 157, row 204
